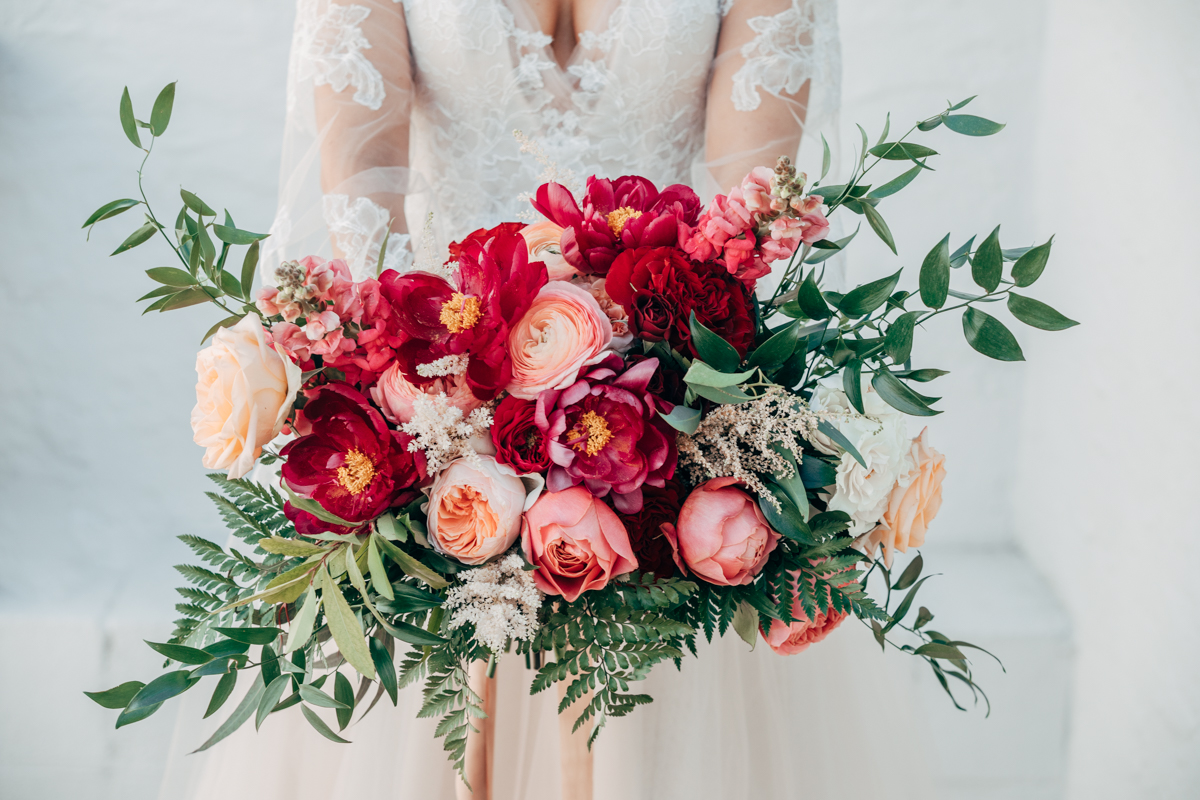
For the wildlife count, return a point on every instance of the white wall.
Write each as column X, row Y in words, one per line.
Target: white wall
column 97, row 473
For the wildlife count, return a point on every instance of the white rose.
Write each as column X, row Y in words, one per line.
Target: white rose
column 881, row 437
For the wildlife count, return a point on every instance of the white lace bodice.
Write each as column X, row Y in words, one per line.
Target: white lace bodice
column 458, row 77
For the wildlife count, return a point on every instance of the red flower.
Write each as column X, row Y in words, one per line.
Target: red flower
column 493, row 288
column 650, row 545
column 604, row 431
column 617, row 215
column 659, row 288
column 350, row 463
column 519, row 443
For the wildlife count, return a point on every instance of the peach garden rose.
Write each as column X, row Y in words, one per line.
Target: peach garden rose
column 475, row 507
column 244, row 392
column 913, row 503
column 563, row 330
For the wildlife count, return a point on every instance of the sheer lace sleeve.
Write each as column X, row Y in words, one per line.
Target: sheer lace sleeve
column 777, row 72
column 345, row 170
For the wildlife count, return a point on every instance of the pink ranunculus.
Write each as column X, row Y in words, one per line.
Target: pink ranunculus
column 545, row 244
column 475, row 508
column 788, row 640
column 756, row 190
column 722, row 535
column 563, row 330
column 576, row 542
column 395, row 395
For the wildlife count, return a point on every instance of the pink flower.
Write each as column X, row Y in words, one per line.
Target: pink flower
column 320, row 274
column 722, row 535
column 756, row 190
column 576, row 542
column 726, row 218
column 563, row 330
column 545, row 244
column 291, row 337
column 475, row 509
column 270, row 307
column 321, row 324
column 788, row 640
column 395, row 395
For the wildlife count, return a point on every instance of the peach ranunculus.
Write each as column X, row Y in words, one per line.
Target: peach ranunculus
column 475, row 507
column 395, row 395
column 244, row 393
column 564, row 330
column 722, row 535
column 544, row 242
column 576, row 542
column 912, row 505
column 787, row 640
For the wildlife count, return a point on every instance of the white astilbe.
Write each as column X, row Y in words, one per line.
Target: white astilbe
column 500, row 599
column 442, row 432
column 446, row 365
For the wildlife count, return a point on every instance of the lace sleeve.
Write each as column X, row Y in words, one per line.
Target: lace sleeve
column 777, row 71
column 345, row 163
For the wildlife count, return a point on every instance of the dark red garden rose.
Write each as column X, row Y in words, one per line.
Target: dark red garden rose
column 604, row 431
column 492, row 289
column 616, row 216
column 350, row 462
column 519, row 443
column 651, row 546
column 723, row 306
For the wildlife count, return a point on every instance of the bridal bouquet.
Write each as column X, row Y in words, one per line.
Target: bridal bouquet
column 582, row 443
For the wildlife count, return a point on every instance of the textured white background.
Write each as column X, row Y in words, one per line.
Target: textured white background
column 1085, row 456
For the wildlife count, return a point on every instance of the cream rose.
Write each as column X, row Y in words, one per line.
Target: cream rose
column 562, row 331
column 475, row 507
column 881, row 437
column 245, row 391
column 913, row 503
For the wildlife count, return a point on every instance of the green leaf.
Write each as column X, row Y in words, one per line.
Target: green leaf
column 962, row 103
column 896, row 184
column 817, row 258
column 239, row 716
column 682, row 418
column 829, row 523
column 701, row 374
column 196, row 204
column 929, row 124
column 810, row 299
column 390, row 528
column 1038, row 314
column 988, row 263
column 302, row 625
column 989, row 336
column 140, row 236
column 317, row 510
column 777, row 349
column 1029, row 266
column 887, row 126
column 164, row 687
column 184, row 655
column 229, row 284
column 320, row 725
column 110, row 210
column 877, row 631
column 901, row 151
column 959, row 256
column 935, row 275
column 313, row 695
column 899, row 396
column 745, row 623
column 250, row 635
column 344, row 694
column 118, row 696
column 270, row 698
column 249, row 268
column 924, row 617
column 838, row 438
column 866, row 298
column 792, row 484
column 408, row 599
column 406, row 632
column 825, row 158
column 972, row 126
column 160, row 114
column 852, row 384
column 291, row 547
column 921, row 375
column 226, row 647
column 905, row 605
column 128, row 123
column 128, row 717
column 232, row 235
column 725, row 395
column 712, row 348
column 344, row 626
column 879, row 226
column 899, row 339
column 412, row 567
column 787, row 519
column 384, row 667
column 188, row 297
column 937, row 650
column 221, row 693
column 379, row 577
column 171, row 276
column 228, row 322
column 910, row 574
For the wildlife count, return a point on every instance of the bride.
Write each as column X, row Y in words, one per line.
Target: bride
column 400, row 121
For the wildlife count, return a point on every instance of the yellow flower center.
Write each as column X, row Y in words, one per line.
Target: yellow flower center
column 460, row 313
column 591, row 433
column 356, row 474
column 617, row 219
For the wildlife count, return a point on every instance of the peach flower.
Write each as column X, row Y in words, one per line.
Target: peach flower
column 576, row 542
column 563, row 330
column 617, row 315
column 475, row 506
column 394, row 394
column 722, row 535
column 912, row 505
column 245, row 391
column 788, row 640
column 756, row 190
column 544, row 242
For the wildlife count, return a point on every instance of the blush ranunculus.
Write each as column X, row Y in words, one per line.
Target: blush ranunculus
column 544, row 241
column 722, row 535
column 788, row 640
column 576, row 542
column 475, row 508
column 645, row 528
column 244, row 392
column 515, row 434
column 563, row 330
column 394, row 394
column 913, row 503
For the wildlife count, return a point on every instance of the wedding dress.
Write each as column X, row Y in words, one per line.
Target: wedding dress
column 401, row 118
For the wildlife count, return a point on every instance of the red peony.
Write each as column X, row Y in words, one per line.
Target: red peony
column 494, row 286
column 617, row 215
column 604, row 431
column 519, row 443
column 659, row 288
column 650, row 544
column 350, row 462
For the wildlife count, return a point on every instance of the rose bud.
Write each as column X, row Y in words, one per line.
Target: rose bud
column 722, row 535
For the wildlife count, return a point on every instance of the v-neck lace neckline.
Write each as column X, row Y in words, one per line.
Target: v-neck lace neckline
column 525, row 16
